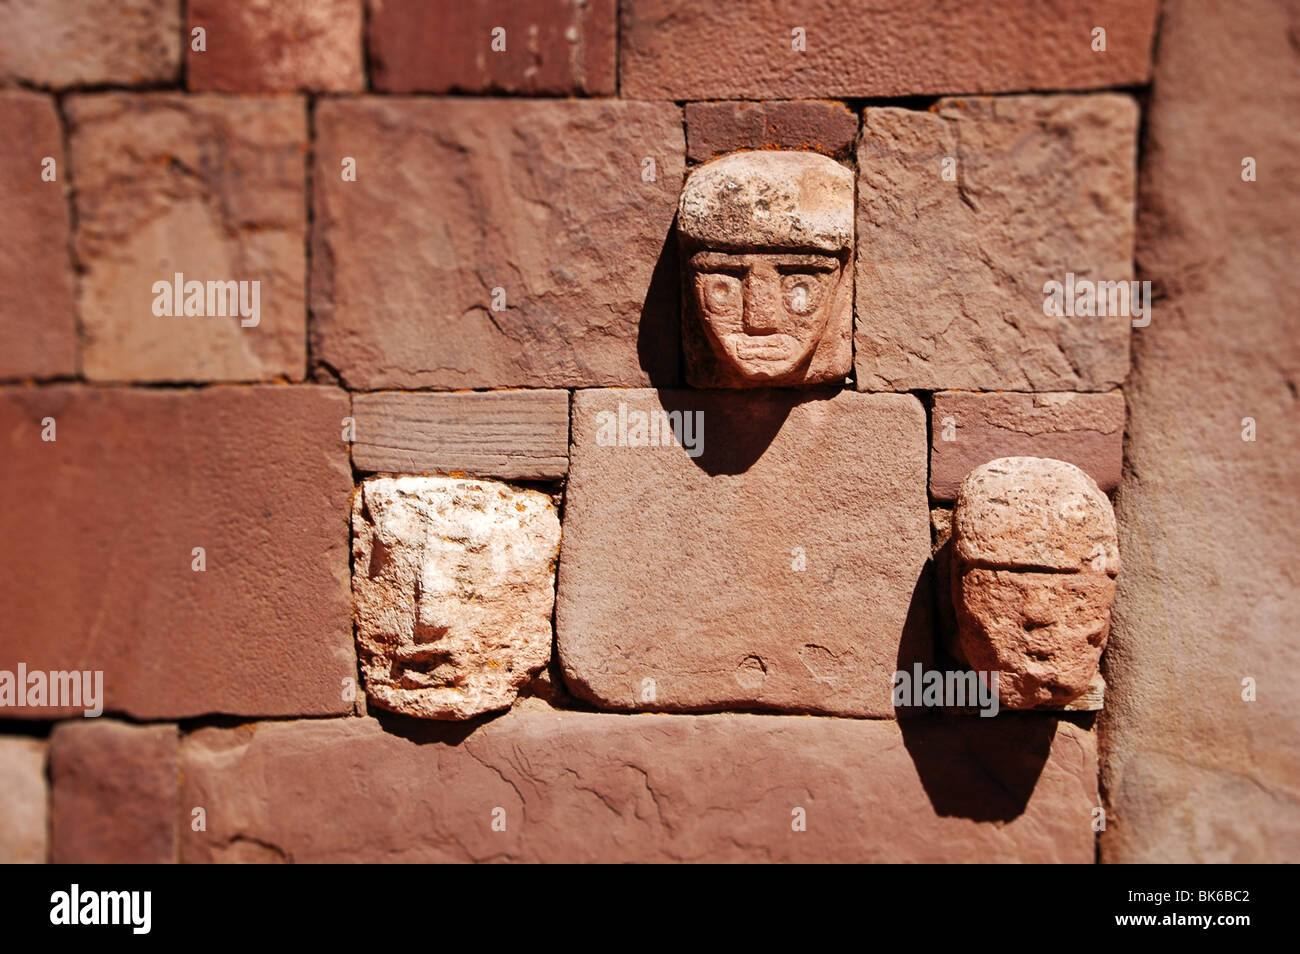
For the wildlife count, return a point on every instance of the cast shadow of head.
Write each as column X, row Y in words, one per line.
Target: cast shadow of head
column 741, row 423
column 971, row 766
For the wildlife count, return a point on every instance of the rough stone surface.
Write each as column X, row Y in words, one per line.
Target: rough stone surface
column 556, row 47
column 274, row 45
column 453, row 587
column 24, row 801
column 510, row 434
column 211, row 187
column 968, row 429
column 784, row 568
column 766, row 241
column 1034, row 577
column 682, row 49
column 101, row 574
column 819, row 125
column 85, row 42
column 598, row 787
column 1210, row 593
column 38, row 311
column 456, row 198
column 115, row 797
column 950, row 273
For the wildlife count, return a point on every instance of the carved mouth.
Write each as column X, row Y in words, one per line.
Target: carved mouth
column 778, row 347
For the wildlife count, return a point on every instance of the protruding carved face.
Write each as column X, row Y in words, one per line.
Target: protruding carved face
column 764, row 313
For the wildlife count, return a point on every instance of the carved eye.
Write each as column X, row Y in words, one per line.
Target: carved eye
column 801, row 292
column 721, row 292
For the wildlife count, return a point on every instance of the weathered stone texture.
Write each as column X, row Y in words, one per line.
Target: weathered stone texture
column 115, row 797
column 510, row 434
column 598, row 787
column 100, row 576
column 555, row 47
column 276, row 45
column 453, row 199
column 680, row 49
column 212, row 187
column 1210, row 593
column 819, row 125
column 783, row 568
column 454, row 587
column 951, row 273
column 968, row 429
column 38, row 311
column 24, row 801
column 85, row 42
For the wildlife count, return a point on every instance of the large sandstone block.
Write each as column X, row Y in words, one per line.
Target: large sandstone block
column 257, row 46
column 114, row 793
column 951, row 273
column 598, row 787
column 453, row 588
column 531, row 47
column 104, row 575
column 208, row 187
column 683, row 49
column 511, row 434
column 1208, row 606
column 820, row 125
column 495, row 243
column 783, row 567
column 24, row 801
column 970, row 428
column 89, row 42
column 38, row 311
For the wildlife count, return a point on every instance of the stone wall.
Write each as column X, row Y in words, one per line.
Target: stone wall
column 423, row 540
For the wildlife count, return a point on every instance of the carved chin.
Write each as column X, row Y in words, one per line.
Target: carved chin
column 765, row 357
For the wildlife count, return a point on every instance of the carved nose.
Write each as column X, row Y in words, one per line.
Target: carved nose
column 762, row 301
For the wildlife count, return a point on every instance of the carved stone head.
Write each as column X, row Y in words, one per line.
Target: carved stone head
column 1036, row 556
column 767, row 243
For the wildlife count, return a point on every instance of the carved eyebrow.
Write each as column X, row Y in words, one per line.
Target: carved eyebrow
column 731, row 261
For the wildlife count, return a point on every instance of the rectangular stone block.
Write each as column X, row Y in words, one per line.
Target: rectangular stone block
column 597, row 787
column 192, row 546
column 38, row 311
column 115, row 798
column 90, row 42
column 775, row 49
column 530, row 47
column 819, row 125
column 511, row 434
column 496, row 243
column 24, row 801
column 211, row 188
column 953, row 266
column 254, row 46
column 968, row 429
column 783, row 568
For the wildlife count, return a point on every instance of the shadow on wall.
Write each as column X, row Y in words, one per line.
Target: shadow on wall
column 658, row 340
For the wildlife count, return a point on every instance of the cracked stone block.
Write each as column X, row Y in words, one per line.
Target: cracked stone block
column 766, row 242
column 276, row 45
column 24, row 801
column 782, row 567
column 968, row 429
column 1208, row 607
column 38, row 310
column 1035, row 556
column 106, row 576
column 818, row 125
column 509, row 434
column 61, row 43
column 497, row 243
column 544, row 47
column 207, row 187
column 454, row 588
column 950, row 273
column 771, row 49
column 114, row 793
column 599, row 787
